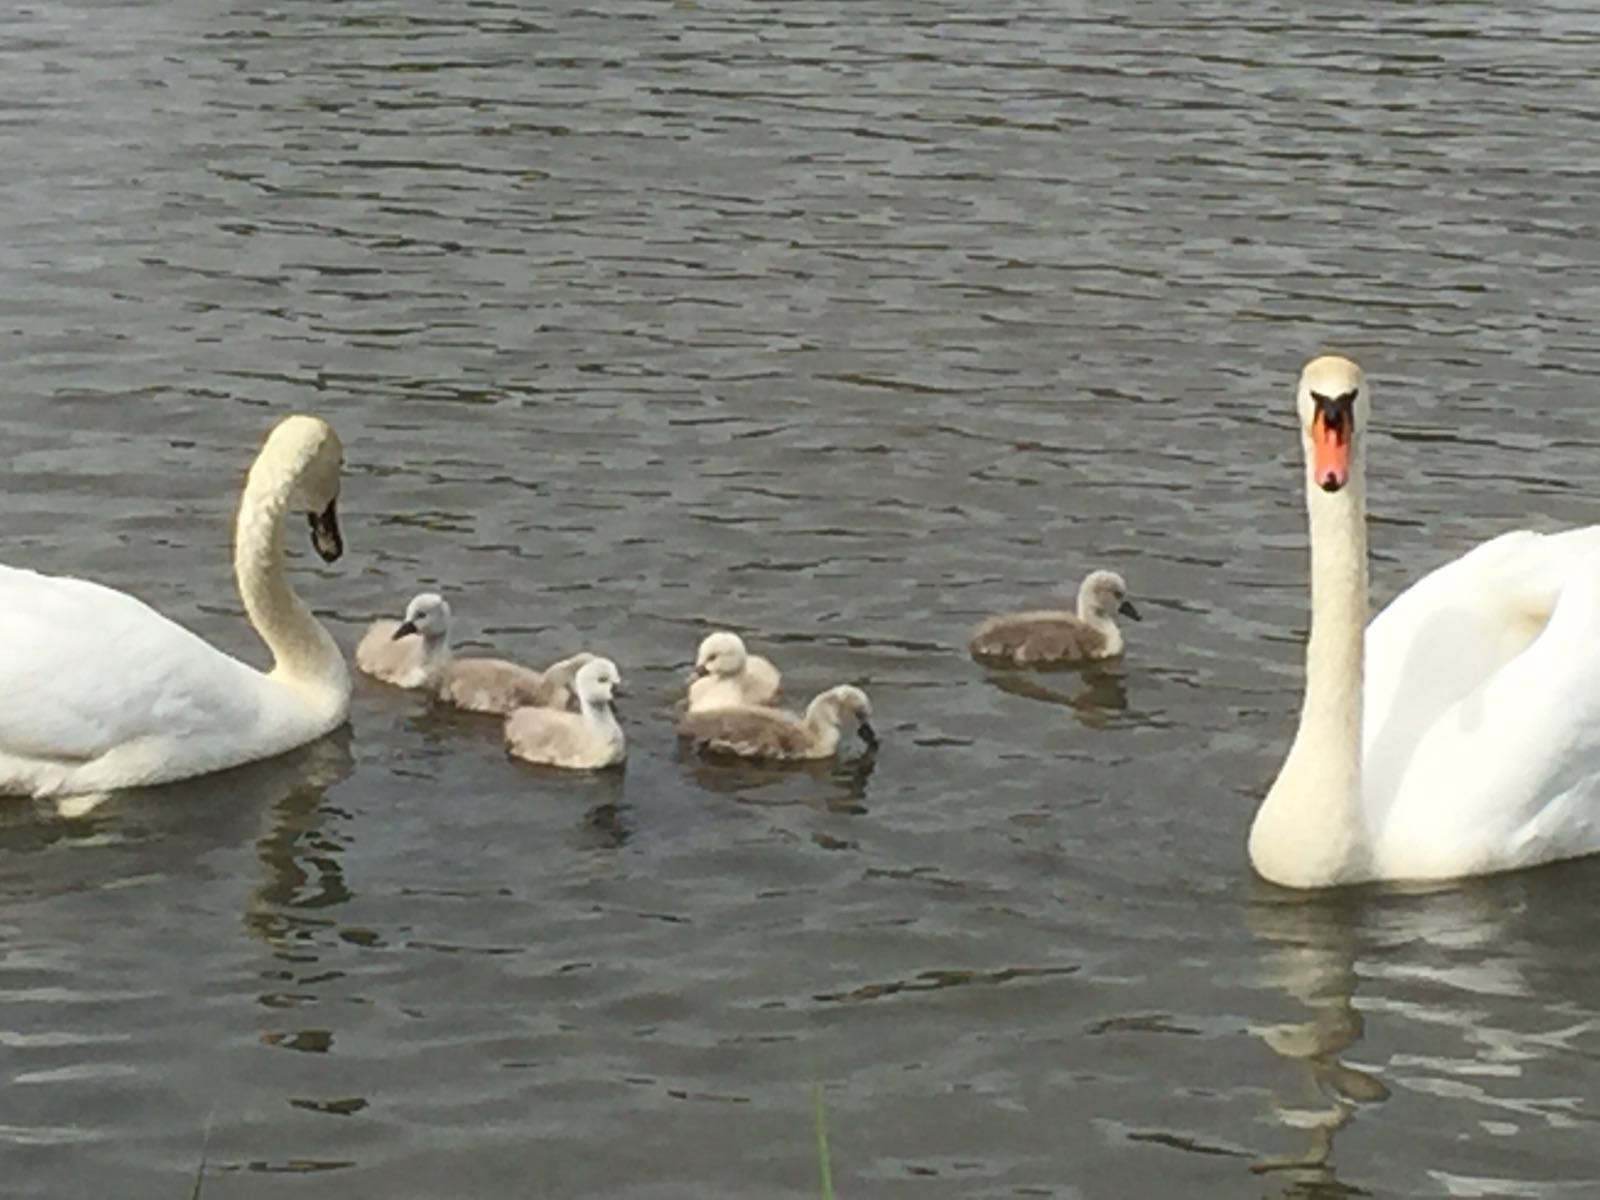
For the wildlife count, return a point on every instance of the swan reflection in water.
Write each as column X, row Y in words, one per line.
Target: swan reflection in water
column 1486, row 989
column 171, row 828
column 302, row 870
column 1310, row 954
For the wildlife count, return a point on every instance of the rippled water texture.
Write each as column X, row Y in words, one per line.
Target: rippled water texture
column 843, row 324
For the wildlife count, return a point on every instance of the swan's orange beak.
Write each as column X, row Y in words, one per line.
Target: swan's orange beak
column 1332, row 423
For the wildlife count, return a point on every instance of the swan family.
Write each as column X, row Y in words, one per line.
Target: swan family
column 1456, row 734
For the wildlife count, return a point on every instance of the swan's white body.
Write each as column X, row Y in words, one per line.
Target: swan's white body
column 98, row 691
column 1458, row 734
column 1481, row 723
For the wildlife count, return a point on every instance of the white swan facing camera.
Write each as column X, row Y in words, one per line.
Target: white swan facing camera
column 1459, row 733
column 98, row 691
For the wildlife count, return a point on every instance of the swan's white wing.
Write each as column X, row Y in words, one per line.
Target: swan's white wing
column 85, row 668
column 1449, row 633
column 1509, row 775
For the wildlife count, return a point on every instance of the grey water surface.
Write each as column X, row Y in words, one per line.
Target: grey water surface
column 843, row 324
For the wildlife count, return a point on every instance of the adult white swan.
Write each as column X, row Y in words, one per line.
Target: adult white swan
column 1461, row 735
column 98, row 691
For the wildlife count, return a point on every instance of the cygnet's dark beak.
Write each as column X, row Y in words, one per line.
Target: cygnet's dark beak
column 403, row 629
column 698, row 670
column 1127, row 609
column 869, row 735
column 325, row 537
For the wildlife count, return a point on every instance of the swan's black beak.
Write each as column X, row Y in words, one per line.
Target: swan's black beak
column 1127, row 609
column 1333, row 424
column 404, row 629
column 869, row 735
column 325, row 537
column 698, row 671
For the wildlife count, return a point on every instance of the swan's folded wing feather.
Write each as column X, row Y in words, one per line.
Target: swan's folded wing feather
column 85, row 668
column 1451, row 631
column 1509, row 775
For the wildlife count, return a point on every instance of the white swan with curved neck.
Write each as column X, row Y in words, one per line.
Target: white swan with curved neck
column 98, row 691
column 1459, row 733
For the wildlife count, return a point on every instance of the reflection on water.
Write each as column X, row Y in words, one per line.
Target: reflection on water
column 1099, row 699
column 300, row 852
column 1310, row 954
column 1440, row 977
column 842, row 781
column 606, row 826
column 177, row 823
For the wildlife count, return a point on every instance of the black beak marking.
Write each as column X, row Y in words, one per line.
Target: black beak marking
column 1127, row 609
column 325, row 536
column 869, row 735
column 403, row 629
column 1337, row 413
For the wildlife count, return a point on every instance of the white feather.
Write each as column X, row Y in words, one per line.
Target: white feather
column 98, row 691
column 1482, row 725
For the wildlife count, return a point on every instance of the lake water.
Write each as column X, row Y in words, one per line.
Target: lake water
column 841, row 324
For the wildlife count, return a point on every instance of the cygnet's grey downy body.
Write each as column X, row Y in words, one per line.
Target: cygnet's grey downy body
column 493, row 685
column 1047, row 637
column 758, row 731
column 588, row 739
column 411, row 652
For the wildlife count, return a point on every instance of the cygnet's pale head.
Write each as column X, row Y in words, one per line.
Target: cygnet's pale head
column 597, row 681
column 721, row 653
column 428, row 616
column 1103, row 594
column 1334, row 404
column 847, row 700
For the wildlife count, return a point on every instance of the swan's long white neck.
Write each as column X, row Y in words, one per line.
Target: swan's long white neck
column 305, row 657
column 1310, row 830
